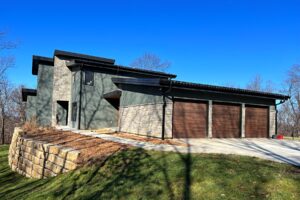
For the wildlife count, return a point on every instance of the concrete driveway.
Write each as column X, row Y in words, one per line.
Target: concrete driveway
column 286, row 151
column 277, row 150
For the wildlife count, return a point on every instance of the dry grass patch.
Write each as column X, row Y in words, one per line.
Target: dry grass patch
column 91, row 149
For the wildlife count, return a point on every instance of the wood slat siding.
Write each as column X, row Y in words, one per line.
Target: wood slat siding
column 226, row 121
column 189, row 119
column 256, row 122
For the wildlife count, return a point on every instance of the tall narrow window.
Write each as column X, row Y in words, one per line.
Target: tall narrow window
column 89, row 78
column 74, row 111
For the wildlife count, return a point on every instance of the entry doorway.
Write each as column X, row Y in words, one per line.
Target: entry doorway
column 62, row 112
column 115, row 102
column 113, row 98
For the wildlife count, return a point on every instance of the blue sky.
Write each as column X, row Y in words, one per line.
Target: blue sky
column 214, row 42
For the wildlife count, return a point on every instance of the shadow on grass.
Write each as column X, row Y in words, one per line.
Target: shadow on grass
column 140, row 174
column 13, row 185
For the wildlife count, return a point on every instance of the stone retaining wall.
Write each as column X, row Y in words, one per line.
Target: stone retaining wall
column 36, row 159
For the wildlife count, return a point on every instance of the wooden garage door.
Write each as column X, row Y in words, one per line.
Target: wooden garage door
column 256, row 122
column 189, row 119
column 226, row 121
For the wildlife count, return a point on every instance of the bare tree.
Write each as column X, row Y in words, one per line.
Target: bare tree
column 5, row 99
column 17, row 106
column 289, row 115
column 150, row 61
column 258, row 84
column 6, row 61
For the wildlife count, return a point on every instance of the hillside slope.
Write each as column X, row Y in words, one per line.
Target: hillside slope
column 140, row 174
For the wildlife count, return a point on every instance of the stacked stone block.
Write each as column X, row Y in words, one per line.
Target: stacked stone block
column 146, row 119
column 36, row 159
column 62, row 79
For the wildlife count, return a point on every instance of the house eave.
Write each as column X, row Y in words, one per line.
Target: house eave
column 27, row 92
column 117, row 68
column 187, row 86
column 37, row 60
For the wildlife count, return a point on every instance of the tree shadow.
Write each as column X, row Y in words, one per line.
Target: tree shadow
column 252, row 145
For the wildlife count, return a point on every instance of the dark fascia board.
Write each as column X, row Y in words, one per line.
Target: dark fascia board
column 27, row 92
column 83, row 57
column 120, row 68
column 137, row 81
column 198, row 87
column 229, row 90
column 37, row 60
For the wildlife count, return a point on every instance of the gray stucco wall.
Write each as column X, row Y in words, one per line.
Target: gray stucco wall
column 44, row 95
column 97, row 112
column 30, row 109
column 75, row 96
column 137, row 95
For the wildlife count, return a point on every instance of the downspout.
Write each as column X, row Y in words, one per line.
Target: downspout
column 80, row 94
column 164, row 110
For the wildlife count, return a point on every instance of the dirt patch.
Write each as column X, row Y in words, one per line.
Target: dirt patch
column 92, row 149
column 147, row 139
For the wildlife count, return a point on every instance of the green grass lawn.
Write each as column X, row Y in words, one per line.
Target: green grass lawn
column 140, row 174
column 291, row 138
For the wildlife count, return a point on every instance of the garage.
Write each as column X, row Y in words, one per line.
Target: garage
column 256, row 122
column 226, row 120
column 193, row 110
column 189, row 119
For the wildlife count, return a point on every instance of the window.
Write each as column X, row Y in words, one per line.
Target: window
column 74, row 111
column 89, row 78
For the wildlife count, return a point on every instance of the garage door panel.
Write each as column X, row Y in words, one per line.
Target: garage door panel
column 189, row 119
column 226, row 121
column 256, row 122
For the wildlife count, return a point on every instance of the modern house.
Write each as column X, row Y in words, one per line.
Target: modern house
column 87, row 92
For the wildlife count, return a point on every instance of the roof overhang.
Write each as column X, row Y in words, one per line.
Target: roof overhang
column 171, row 84
column 113, row 94
column 72, row 55
column 27, row 92
column 37, row 60
column 118, row 68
